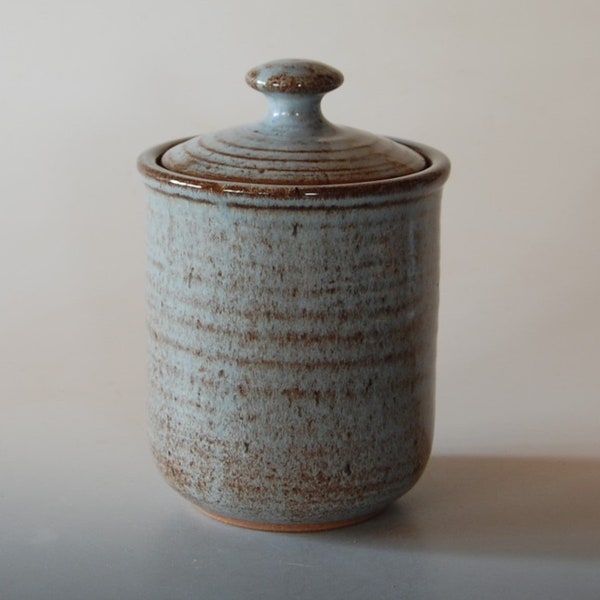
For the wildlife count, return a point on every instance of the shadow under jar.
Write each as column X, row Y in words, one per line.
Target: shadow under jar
column 293, row 270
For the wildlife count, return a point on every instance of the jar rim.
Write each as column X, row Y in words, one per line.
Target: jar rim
column 362, row 194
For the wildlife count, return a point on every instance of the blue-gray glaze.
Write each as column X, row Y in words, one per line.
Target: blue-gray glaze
column 292, row 340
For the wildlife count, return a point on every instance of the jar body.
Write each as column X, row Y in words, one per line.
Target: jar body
column 292, row 353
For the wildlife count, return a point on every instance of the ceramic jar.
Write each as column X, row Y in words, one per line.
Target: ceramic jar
column 293, row 270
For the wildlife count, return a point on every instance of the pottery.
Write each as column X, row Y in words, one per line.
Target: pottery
column 293, row 270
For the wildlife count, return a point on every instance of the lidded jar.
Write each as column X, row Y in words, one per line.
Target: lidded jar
column 293, row 270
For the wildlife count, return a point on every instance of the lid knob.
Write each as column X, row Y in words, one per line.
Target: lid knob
column 294, row 76
column 294, row 89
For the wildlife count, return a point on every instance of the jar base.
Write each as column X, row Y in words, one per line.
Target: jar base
column 290, row 527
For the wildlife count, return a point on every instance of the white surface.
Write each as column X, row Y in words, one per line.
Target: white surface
column 509, row 90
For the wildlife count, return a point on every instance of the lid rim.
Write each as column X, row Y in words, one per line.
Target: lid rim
column 431, row 177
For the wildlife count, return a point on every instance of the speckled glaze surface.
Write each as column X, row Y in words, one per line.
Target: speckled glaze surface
column 292, row 318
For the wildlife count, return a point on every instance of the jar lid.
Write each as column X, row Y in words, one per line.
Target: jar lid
column 294, row 145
